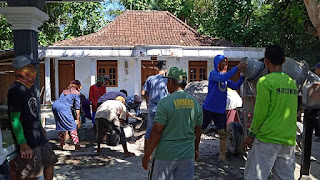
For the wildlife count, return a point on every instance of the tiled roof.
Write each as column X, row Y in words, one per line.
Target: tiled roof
column 133, row 28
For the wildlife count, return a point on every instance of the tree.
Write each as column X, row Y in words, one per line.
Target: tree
column 66, row 20
column 313, row 8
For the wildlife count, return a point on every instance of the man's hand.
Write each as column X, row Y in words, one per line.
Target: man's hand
column 25, row 151
column 248, row 142
column 145, row 161
column 242, row 65
column 197, row 154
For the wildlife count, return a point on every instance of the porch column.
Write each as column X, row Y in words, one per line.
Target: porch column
column 93, row 67
column 25, row 21
column 47, row 92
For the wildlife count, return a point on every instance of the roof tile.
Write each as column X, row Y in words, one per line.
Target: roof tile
column 133, row 28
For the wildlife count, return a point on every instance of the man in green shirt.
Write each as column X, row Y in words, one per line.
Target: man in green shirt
column 176, row 132
column 272, row 133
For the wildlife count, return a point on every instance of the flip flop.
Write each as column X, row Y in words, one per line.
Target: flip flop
column 128, row 154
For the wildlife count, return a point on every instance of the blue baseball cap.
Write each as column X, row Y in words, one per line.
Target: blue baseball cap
column 22, row 60
column 316, row 66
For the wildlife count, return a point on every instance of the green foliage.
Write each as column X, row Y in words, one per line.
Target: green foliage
column 6, row 37
column 255, row 23
column 66, row 20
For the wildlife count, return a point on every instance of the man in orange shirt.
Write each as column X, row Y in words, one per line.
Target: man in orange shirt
column 95, row 92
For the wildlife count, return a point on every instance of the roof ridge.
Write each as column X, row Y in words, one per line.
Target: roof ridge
column 181, row 22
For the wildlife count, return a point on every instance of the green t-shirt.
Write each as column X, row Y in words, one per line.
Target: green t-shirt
column 275, row 111
column 179, row 113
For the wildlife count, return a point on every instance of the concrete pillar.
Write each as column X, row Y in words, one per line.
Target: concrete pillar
column 47, row 92
column 93, row 70
column 25, row 22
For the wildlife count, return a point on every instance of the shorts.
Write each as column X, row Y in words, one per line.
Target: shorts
column 115, row 134
column 179, row 169
column 5, row 171
column 266, row 157
column 151, row 115
column 218, row 119
column 42, row 157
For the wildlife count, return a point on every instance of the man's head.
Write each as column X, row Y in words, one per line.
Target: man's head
column 100, row 80
column 317, row 69
column 161, row 65
column 76, row 84
column 220, row 63
column 124, row 92
column 107, row 79
column 177, row 79
column 121, row 99
column 275, row 55
column 25, row 71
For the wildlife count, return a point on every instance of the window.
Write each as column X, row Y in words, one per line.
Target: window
column 108, row 68
column 197, row 70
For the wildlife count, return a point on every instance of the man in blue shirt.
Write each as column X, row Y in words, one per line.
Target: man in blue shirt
column 156, row 87
column 214, row 106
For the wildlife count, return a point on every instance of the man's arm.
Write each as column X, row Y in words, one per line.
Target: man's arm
column 197, row 132
column 155, row 136
column 17, row 128
column 144, row 95
column 236, row 85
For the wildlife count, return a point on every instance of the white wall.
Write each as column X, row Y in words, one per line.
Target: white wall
column 129, row 67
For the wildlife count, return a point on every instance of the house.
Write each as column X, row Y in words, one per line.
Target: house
column 128, row 48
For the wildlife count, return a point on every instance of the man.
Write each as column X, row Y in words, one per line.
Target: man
column 176, row 132
column 133, row 102
column 156, row 88
column 214, row 106
column 95, row 92
column 35, row 153
column 273, row 129
column 111, row 115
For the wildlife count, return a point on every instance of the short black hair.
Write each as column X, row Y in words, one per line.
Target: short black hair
column 124, row 92
column 161, row 65
column 275, row 54
column 180, row 83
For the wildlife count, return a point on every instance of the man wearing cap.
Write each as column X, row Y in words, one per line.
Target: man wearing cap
column 176, row 132
column 214, row 106
column 35, row 153
column 156, row 88
column 95, row 92
column 316, row 123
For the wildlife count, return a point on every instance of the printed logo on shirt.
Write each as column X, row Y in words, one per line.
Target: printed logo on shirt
column 32, row 103
column 183, row 103
column 287, row 91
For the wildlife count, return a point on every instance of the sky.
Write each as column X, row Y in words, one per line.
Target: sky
column 112, row 5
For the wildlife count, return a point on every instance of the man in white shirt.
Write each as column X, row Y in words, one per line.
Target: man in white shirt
column 111, row 116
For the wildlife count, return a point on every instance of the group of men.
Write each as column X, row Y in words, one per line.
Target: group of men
column 175, row 120
column 178, row 119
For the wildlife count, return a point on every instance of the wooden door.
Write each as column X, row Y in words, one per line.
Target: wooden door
column 66, row 70
column 148, row 68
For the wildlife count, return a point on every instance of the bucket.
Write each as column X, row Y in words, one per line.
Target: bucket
column 128, row 131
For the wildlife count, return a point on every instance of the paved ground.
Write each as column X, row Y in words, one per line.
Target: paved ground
column 111, row 164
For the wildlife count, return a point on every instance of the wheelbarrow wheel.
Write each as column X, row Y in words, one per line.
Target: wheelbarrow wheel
column 235, row 138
